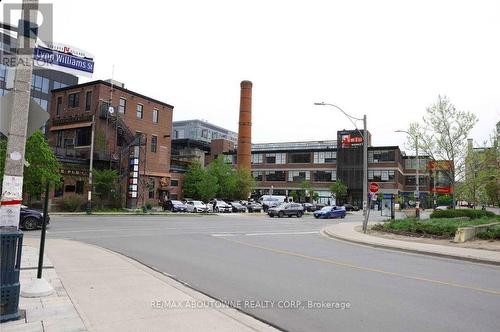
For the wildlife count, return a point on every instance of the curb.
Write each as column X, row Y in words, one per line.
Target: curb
column 329, row 234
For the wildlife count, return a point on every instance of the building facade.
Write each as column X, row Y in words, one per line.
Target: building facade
column 131, row 133
column 203, row 131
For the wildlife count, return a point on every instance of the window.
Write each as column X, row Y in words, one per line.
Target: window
column 139, row 111
column 294, row 176
column 325, row 157
column 204, row 133
column 122, row 105
column 154, row 143
column 257, row 175
column 83, row 136
column 59, row 106
column 411, row 180
column 155, row 116
column 79, row 187
column 411, row 163
column 69, row 189
column 40, row 84
column 257, row 158
column 381, row 175
column 59, row 85
column 73, row 100
column 299, row 158
column 325, row 176
column 275, row 158
column 378, row 156
column 174, row 183
column 88, row 101
column 59, row 138
column 275, row 176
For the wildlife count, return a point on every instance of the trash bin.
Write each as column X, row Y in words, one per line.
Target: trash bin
column 11, row 244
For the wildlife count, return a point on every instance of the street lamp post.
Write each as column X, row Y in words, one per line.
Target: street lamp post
column 365, row 158
column 417, row 180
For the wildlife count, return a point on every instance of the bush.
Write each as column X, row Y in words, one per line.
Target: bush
column 473, row 214
column 441, row 228
column 73, row 203
column 490, row 234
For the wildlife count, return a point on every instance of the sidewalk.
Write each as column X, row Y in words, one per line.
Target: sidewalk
column 51, row 313
column 347, row 231
column 100, row 290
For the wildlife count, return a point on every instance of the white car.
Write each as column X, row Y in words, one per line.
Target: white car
column 196, row 206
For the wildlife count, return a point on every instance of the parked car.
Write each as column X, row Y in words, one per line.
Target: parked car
column 330, row 212
column 442, row 207
column 286, row 209
column 350, row 207
column 269, row 201
column 174, row 206
column 237, row 207
column 31, row 219
column 254, row 207
column 308, row 207
column 222, row 206
column 196, row 206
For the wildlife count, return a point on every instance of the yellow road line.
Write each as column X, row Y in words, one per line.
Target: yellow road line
column 362, row 268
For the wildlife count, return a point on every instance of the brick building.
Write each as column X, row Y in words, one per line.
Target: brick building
column 123, row 120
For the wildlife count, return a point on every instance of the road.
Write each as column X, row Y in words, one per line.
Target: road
column 250, row 257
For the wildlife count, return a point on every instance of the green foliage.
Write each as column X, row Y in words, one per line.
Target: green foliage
column 308, row 191
column 490, row 234
column 442, row 228
column 472, row 214
column 194, row 175
column 73, row 203
column 217, row 180
column 338, row 188
column 444, row 200
column 105, row 184
column 43, row 164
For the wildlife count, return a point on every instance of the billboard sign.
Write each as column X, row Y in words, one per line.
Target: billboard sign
column 65, row 58
column 350, row 139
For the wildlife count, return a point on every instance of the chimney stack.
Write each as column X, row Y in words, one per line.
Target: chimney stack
column 245, row 127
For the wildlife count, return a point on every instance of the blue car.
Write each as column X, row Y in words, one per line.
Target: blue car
column 330, row 212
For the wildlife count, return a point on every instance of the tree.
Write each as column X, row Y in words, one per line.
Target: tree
column 105, row 182
column 207, row 188
column 442, row 136
column 308, row 190
column 338, row 188
column 226, row 177
column 244, row 184
column 194, row 175
column 43, row 165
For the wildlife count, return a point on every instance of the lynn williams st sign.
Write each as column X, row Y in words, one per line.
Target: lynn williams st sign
column 65, row 58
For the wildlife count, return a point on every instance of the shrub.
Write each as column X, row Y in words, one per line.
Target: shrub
column 73, row 203
column 473, row 214
column 490, row 234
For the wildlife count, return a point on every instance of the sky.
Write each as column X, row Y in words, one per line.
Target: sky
column 386, row 59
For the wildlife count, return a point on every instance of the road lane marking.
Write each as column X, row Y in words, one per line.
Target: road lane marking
column 219, row 234
column 362, row 268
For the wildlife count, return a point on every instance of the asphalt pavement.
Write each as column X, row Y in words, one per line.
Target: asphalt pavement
column 297, row 279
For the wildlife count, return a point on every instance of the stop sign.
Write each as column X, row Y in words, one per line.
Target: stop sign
column 373, row 187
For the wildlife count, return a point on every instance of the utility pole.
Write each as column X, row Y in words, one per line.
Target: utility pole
column 417, row 189
column 365, row 175
column 89, row 194
column 12, row 188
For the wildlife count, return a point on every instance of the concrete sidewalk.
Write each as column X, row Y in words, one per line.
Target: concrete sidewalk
column 110, row 292
column 347, row 231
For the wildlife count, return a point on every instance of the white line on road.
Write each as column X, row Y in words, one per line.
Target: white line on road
column 264, row 233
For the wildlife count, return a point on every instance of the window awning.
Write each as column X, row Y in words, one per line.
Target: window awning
column 71, row 126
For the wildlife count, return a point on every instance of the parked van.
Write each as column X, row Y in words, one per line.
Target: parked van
column 269, row 201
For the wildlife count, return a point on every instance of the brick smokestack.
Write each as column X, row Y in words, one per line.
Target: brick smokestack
column 245, row 127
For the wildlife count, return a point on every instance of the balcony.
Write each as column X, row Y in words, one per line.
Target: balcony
column 80, row 153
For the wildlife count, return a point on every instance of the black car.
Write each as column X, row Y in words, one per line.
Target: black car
column 254, row 207
column 350, row 207
column 286, row 209
column 174, row 206
column 31, row 219
column 237, row 207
